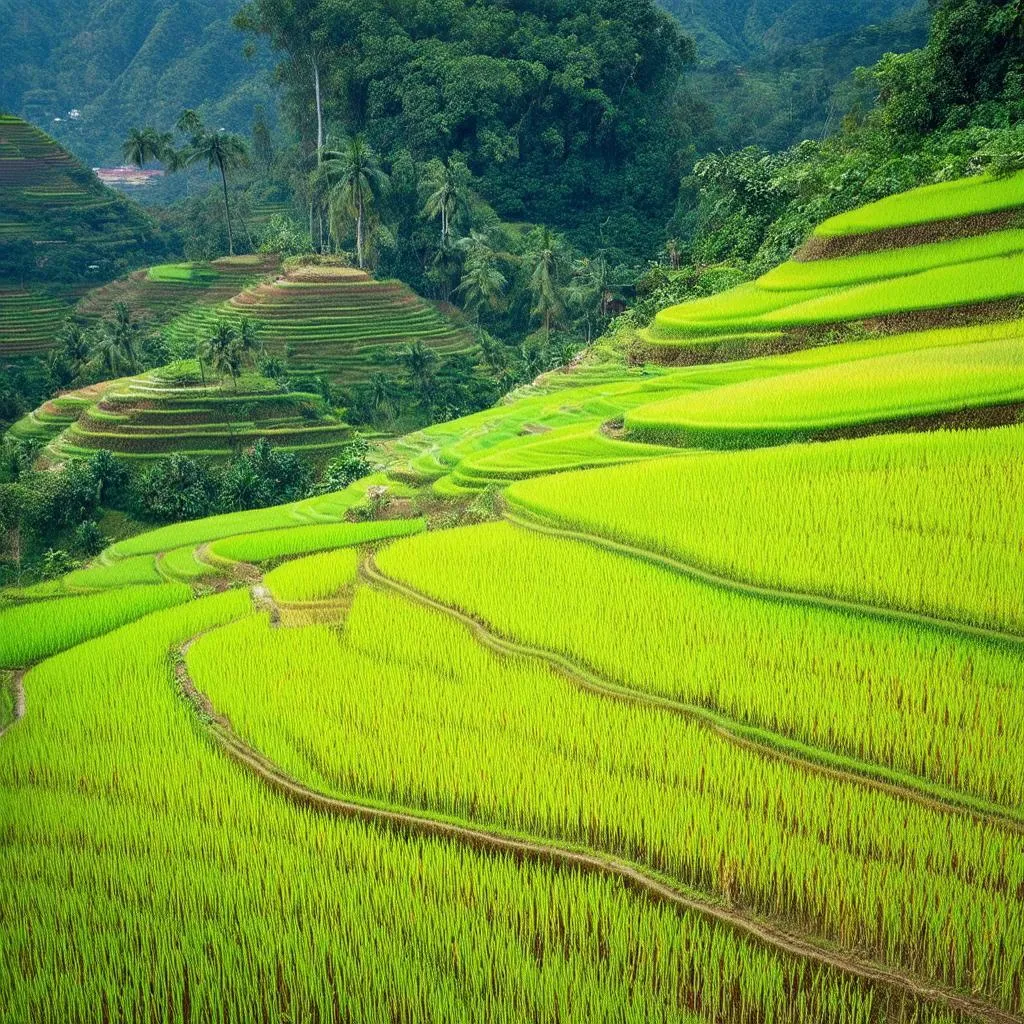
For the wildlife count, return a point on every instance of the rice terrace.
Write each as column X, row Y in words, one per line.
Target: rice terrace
column 436, row 587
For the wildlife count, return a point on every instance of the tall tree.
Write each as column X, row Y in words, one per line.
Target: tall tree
column 141, row 146
column 116, row 348
column 483, row 284
column 357, row 183
column 298, row 28
column 548, row 303
column 222, row 351
column 250, row 344
column 447, row 186
column 225, row 152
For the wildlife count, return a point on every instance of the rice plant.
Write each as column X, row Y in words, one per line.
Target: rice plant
column 909, row 522
column 884, row 692
column 407, row 708
column 29, row 632
column 151, row 879
column 314, row 578
column 801, row 404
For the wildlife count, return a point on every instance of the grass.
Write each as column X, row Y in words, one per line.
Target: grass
column 828, row 764
column 868, row 520
column 334, row 322
column 182, row 564
column 889, row 263
column 181, row 272
column 466, row 933
column 803, row 404
column 301, row 540
column 946, row 200
column 102, row 576
column 325, row 508
column 48, row 200
column 173, row 409
column 314, row 578
column 751, row 309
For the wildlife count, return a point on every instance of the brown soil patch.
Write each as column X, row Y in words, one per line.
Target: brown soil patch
column 819, row 247
column 984, row 417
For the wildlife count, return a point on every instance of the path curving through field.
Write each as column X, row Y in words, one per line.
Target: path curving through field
column 629, row 874
column 17, row 685
column 530, row 521
column 754, row 738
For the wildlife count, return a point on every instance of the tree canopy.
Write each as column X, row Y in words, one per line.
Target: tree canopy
column 564, row 112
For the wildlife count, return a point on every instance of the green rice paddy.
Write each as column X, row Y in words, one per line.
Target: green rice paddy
column 680, row 733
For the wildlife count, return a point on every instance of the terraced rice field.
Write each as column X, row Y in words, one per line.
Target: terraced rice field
column 29, row 321
column 48, row 200
column 691, row 735
column 162, row 293
column 341, row 323
column 950, row 253
column 171, row 410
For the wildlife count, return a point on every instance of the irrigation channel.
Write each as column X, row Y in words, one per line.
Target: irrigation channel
column 495, row 841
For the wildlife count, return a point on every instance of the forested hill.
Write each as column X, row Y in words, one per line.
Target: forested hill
column 121, row 61
column 738, row 30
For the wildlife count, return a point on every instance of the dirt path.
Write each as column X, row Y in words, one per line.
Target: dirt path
column 528, row 522
column 264, row 601
column 760, row 741
column 629, row 874
column 244, row 571
column 17, row 685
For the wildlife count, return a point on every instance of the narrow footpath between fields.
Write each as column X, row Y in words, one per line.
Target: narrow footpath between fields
column 761, row 741
column 494, row 841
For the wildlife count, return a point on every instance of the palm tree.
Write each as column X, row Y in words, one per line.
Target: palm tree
column 547, row 295
column 358, row 181
column 483, row 284
column 249, row 342
column 115, row 350
column 74, row 343
column 190, row 124
column 381, row 393
column 419, row 363
column 223, row 151
column 447, row 184
column 589, row 291
column 222, row 351
column 141, row 146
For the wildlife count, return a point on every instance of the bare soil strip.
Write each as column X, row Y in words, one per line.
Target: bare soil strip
column 821, row 247
column 17, row 685
column 633, row 877
column 763, row 742
column 263, row 600
column 530, row 521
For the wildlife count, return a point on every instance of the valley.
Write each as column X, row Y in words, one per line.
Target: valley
column 440, row 584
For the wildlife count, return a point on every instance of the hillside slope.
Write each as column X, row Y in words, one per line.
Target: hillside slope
column 185, row 410
column 60, row 229
column 669, row 734
column 740, row 29
column 121, row 63
column 333, row 322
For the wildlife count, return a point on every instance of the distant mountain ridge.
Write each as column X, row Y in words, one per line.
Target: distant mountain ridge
column 739, row 30
column 122, row 62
